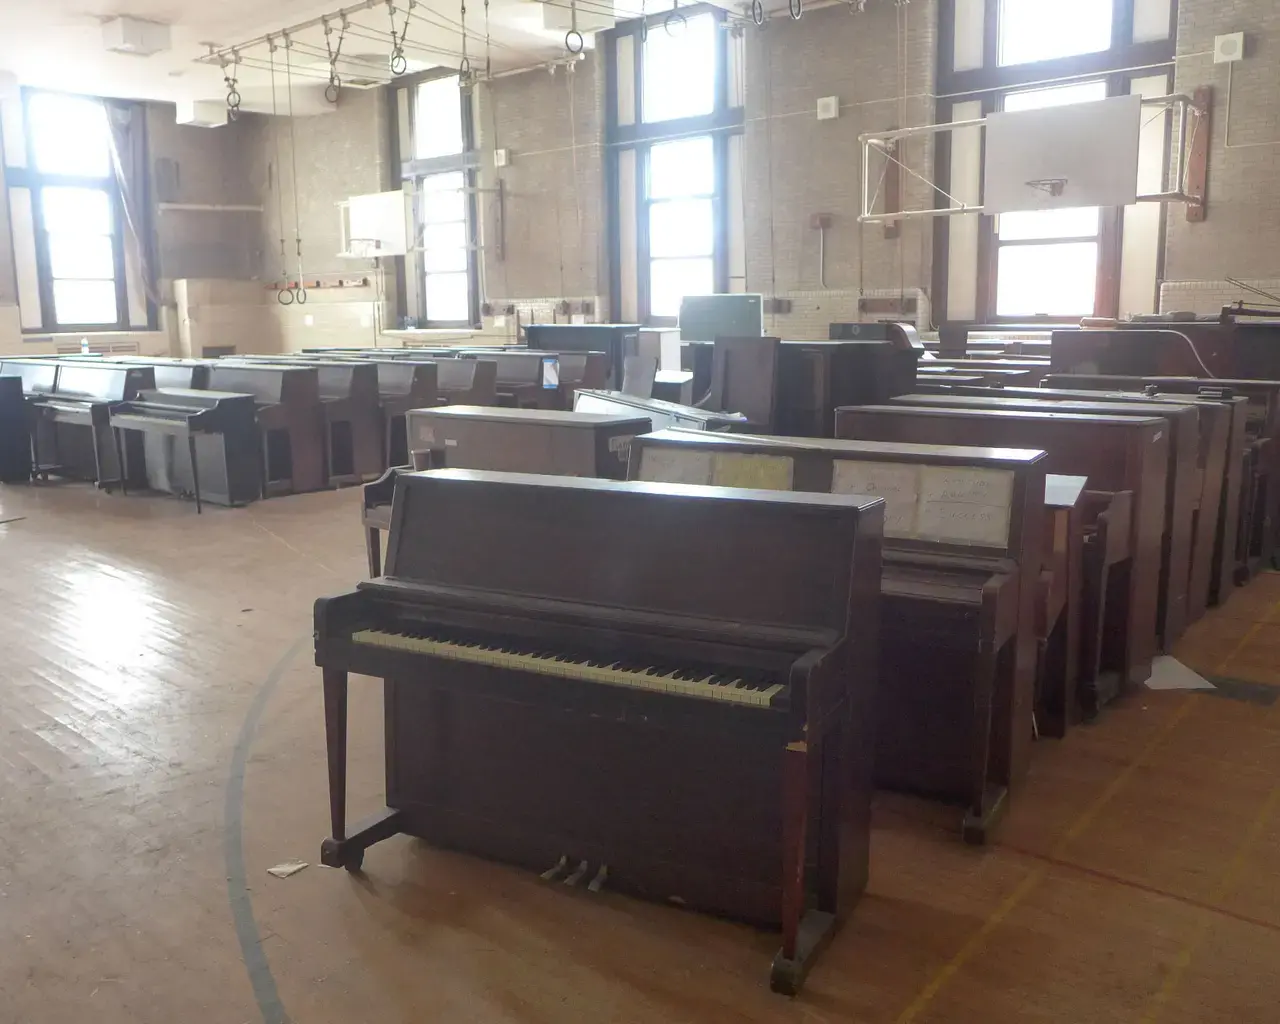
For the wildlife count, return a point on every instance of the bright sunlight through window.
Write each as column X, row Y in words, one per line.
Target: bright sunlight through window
column 1032, row 30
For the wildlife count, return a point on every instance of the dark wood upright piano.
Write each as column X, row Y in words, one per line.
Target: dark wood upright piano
column 709, row 743
column 201, row 443
column 1117, row 454
column 15, row 432
column 957, row 645
column 404, row 385
column 469, row 381
column 72, row 430
column 290, row 422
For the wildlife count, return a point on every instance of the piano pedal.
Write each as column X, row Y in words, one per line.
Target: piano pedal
column 597, row 883
column 576, row 877
column 552, row 872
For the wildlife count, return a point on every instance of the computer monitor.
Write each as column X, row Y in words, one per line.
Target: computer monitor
column 707, row 317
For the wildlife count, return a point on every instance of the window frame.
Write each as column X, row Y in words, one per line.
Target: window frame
column 414, row 171
column 36, row 181
column 641, row 136
column 989, row 84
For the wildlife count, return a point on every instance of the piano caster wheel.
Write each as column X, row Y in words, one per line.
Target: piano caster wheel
column 334, row 854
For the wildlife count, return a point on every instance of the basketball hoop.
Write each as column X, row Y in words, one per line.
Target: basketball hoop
column 1049, row 186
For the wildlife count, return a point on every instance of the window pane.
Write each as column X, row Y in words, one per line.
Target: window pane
column 83, row 256
column 69, row 135
column 684, row 168
column 76, row 211
column 85, row 302
column 1073, row 223
column 1032, row 30
column 679, row 73
column 443, row 203
column 681, row 227
column 671, row 280
column 1057, row 96
column 448, row 297
column 1047, row 280
column 437, row 121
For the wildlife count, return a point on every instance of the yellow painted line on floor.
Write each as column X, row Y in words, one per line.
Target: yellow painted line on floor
column 1225, row 884
column 1024, row 888
column 1244, row 640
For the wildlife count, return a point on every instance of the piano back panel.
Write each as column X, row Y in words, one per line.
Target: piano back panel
column 1171, row 352
column 180, row 376
column 617, row 341
column 416, row 380
column 15, row 437
column 106, row 383
column 38, row 378
column 778, row 559
column 1115, row 454
column 940, row 498
column 265, row 382
column 744, row 378
column 526, row 441
column 815, row 378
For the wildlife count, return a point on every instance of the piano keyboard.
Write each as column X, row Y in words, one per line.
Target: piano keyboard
column 660, row 679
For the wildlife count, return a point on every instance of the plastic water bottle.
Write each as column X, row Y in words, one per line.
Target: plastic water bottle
column 84, row 346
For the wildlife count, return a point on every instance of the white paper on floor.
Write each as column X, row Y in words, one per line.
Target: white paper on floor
column 289, row 867
column 1170, row 674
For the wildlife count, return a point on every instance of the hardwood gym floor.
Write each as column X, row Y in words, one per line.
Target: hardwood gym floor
column 161, row 746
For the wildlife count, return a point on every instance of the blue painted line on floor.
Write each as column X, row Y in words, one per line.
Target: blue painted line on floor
column 254, row 956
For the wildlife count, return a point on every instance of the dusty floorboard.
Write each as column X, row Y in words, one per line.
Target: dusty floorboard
column 149, row 653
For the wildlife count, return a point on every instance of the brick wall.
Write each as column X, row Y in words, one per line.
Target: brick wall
column 796, row 165
column 1241, row 236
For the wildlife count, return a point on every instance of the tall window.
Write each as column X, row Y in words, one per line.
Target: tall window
column 675, row 132
column 75, row 203
column 442, row 169
column 1047, row 260
column 1034, row 30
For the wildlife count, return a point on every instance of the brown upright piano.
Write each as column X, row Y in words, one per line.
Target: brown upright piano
column 351, row 403
column 1182, row 485
column 470, row 381
column 507, row 440
column 1116, row 454
column 961, row 571
column 290, row 422
column 72, row 431
column 556, row 702
column 404, row 385
column 15, row 432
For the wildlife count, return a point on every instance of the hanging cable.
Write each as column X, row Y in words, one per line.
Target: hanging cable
column 301, row 294
column 573, row 41
column 644, row 23
column 334, row 87
column 284, row 295
column 464, row 65
column 233, row 90
column 488, row 44
column 399, row 63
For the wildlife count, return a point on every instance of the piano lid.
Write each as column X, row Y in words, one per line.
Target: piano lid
column 102, row 382
column 543, row 417
column 779, row 559
column 270, row 384
column 38, row 376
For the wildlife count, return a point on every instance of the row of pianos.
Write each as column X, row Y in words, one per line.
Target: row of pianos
column 673, row 650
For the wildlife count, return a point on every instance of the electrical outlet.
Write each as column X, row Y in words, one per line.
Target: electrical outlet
column 501, row 157
column 828, row 107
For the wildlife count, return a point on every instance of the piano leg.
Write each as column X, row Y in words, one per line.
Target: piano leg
column 119, row 443
column 805, row 933
column 195, row 472
column 993, row 696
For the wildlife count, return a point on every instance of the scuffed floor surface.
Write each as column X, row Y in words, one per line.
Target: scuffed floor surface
column 1134, row 880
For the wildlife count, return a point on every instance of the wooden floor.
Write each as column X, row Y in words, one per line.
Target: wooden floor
column 161, row 746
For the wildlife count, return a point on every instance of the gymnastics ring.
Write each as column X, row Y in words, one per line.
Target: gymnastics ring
column 644, row 30
column 678, row 18
column 233, row 98
column 398, row 63
column 582, row 43
column 300, row 295
column 332, row 90
column 284, row 296
column 233, row 113
column 795, row 8
column 757, row 12
column 464, row 67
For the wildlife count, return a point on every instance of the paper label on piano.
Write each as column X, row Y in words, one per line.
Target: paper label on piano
column 762, row 472
column 897, row 483
column 965, row 505
column 426, row 435
column 662, row 465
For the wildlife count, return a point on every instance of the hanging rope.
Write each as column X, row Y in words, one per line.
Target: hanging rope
column 334, row 87
column 644, row 23
column 284, row 295
column 488, row 56
column 573, row 41
column 301, row 293
column 464, row 65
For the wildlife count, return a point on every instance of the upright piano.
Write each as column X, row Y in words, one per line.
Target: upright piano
column 290, row 422
column 350, row 401
column 72, row 430
column 15, row 432
column 202, row 443
column 661, row 414
column 616, row 341
column 1117, row 454
column 962, row 565
column 508, row 440
column 470, row 381
column 174, row 374
column 404, row 385
column 708, row 743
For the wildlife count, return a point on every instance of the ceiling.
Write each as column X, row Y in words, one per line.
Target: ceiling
column 58, row 44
